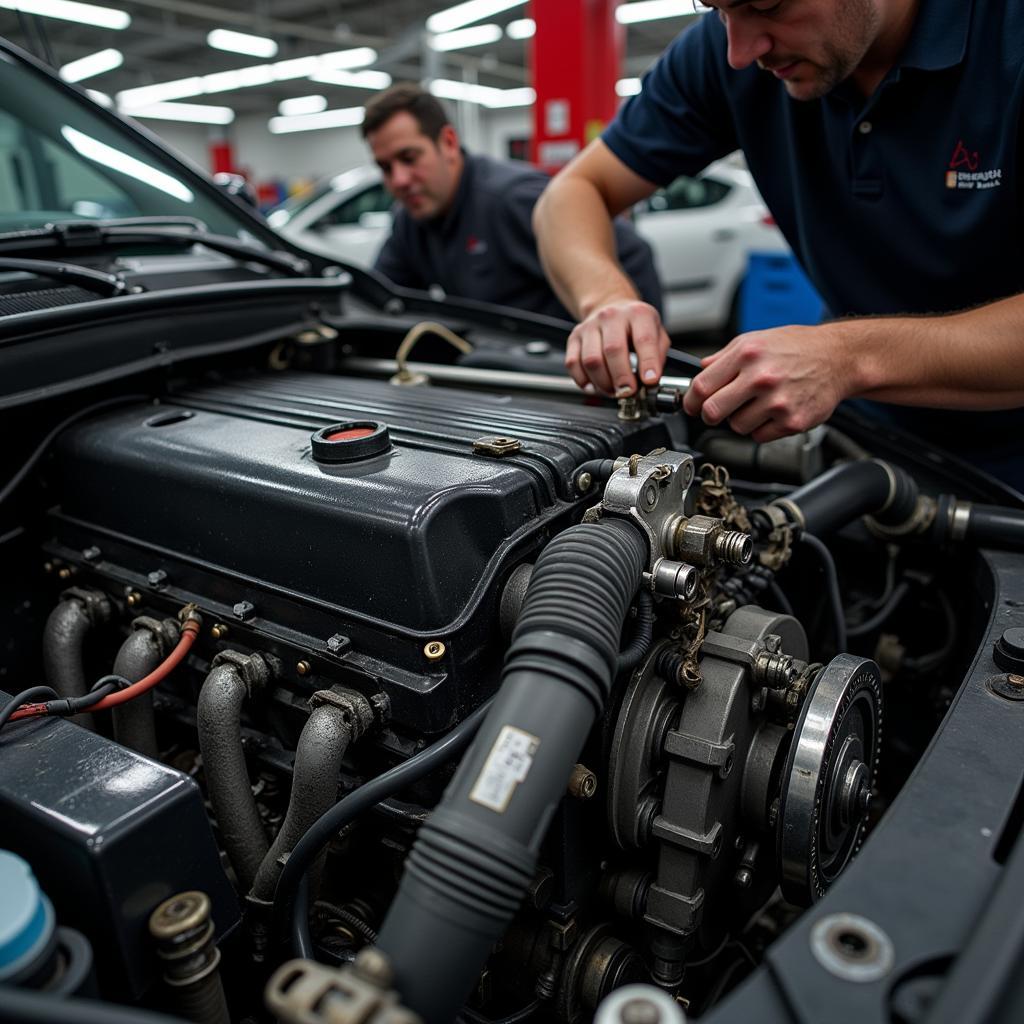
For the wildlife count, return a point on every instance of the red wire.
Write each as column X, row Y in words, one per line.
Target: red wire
column 189, row 633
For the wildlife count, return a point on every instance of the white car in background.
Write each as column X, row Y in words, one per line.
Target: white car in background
column 702, row 231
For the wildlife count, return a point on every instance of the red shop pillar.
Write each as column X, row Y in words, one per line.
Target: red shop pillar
column 222, row 157
column 575, row 61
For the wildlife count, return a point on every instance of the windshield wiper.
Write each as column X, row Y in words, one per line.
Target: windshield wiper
column 65, row 236
column 94, row 280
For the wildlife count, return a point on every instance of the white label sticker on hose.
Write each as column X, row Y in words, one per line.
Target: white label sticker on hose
column 506, row 766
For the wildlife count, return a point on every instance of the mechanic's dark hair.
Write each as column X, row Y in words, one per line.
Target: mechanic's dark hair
column 408, row 97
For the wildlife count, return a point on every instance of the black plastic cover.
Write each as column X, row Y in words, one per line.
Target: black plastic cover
column 405, row 537
column 109, row 834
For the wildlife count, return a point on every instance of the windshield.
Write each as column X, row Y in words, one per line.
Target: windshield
column 60, row 159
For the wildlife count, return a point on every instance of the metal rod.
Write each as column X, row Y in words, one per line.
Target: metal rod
column 511, row 379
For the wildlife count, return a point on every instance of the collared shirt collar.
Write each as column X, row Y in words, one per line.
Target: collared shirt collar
column 939, row 37
column 448, row 221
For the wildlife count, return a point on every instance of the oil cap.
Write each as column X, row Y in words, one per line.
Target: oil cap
column 27, row 925
column 351, row 442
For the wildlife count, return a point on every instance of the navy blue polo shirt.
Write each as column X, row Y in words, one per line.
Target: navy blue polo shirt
column 484, row 247
column 907, row 202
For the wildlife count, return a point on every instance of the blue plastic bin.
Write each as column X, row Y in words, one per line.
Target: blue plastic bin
column 776, row 292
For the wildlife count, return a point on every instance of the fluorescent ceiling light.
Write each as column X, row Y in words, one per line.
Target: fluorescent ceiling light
column 100, row 97
column 197, row 113
column 114, row 160
column 485, row 95
column 68, row 10
column 478, row 35
column 627, row 86
column 521, row 28
column 354, row 79
column 343, row 118
column 94, row 64
column 654, row 10
column 467, row 13
column 302, row 105
column 243, row 78
column 241, row 42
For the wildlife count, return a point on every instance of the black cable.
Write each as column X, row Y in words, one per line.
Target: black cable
column 779, row 597
column 24, row 1006
column 876, row 620
column 643, row 633
column 32, row 695
column 293, row 886
column 832, row 583
column 11, row 486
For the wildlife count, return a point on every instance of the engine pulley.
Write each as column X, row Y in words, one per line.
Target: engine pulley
column 828, row 778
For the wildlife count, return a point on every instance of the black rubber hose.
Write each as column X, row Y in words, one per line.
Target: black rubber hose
column 854, row 489
column 63, row 643
column 599, row 469
column 828, row 565
column 290, row 898
column 134, row 724
column 643, row 634
column 876, row 620
column 995, row 527
column 322, row 744
column 227, row 778
column 24, row 1006
column 475, row 856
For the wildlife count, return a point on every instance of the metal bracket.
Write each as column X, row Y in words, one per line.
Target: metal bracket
column 709, row 843
column 700, row 752
column 497, row 446
column 97, row 606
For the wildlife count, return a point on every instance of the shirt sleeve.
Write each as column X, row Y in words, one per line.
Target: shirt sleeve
column 680, row 121
column 393, row 260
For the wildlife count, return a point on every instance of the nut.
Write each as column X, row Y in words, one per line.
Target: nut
column 218, row 631
column 582, row 783
column 434, row 651
column 303, row 668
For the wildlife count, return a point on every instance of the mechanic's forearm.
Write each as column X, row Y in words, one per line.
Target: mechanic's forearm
column 969, row 360
column 576, row 243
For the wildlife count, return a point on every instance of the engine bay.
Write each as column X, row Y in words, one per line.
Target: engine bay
column 482, row 704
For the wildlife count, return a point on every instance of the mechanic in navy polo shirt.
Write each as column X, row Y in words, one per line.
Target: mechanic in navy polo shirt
column 465, row 220
column 886, row 139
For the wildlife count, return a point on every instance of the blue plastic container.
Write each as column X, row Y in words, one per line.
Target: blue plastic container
column 777, row 292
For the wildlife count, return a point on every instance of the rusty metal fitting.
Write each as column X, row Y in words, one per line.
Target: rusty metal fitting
column 582, row 783
column 183, row 930
column 95, row 603
column 255, row 669
column 355, row 708
column 166, row 632
column 734, row 547
column 775, row 670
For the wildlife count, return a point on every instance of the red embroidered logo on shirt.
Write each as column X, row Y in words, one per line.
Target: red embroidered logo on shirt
column 964, row 170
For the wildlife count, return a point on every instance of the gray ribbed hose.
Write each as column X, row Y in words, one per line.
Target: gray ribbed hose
column 134, row 725
column 227, row 778
column 318, row 755
column 63, row 642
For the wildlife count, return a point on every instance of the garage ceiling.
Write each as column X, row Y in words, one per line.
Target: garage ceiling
column 167, row 41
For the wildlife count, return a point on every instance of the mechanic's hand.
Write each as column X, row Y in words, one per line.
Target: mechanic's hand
column 770, row 384
column 598, row 348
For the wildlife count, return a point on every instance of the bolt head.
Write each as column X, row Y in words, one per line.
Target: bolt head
column 303, row 668
column 434, row 650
